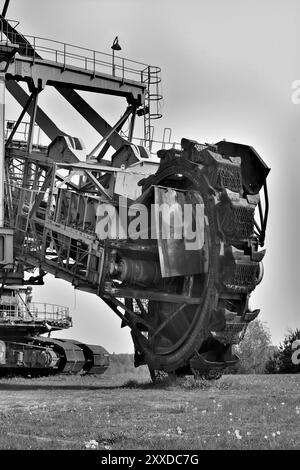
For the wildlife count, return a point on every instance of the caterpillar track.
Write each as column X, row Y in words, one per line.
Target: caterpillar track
column 24, row 352
column 39, row 356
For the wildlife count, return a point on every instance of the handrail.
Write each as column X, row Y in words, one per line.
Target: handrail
column 88, row 59
column 163, row 144
column 157, row 144
column 14, row 310
column 22, row 131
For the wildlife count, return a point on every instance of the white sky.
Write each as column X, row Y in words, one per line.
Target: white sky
column 227, row 70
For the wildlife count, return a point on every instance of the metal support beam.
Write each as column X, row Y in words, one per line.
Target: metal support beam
column 78, row 103
column 41, row 194
column 15, row 37
column 2, row 147
column 68, row 178
column 32, row 121
column 111, row 131
column 42, row 120
column 131, row 128
column 92, row 117
column 4, row 11
column 23, row 112
column 97, row 184
column 107, row 145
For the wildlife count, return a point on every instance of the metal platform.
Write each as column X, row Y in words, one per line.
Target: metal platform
column 17, row 313
column 42, row 62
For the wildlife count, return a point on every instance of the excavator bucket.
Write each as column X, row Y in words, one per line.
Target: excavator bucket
column 254, row 169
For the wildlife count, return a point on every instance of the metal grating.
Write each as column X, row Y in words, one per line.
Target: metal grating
column 241, row 278
column 237, row 221
column 224, row 175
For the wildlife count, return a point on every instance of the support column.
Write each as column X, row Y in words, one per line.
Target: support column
column 32, row 121
column 6, row 234
column 131, row 128
column 2, row 146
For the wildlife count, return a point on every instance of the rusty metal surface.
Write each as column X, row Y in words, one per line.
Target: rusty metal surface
column 178, row 255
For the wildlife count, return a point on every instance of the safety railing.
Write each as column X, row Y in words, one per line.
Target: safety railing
column 15, row 311
column 166, row 143
column 156, row 145
column 65, row 54
column 22, row 132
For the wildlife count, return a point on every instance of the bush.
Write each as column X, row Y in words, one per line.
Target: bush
column 254, row 350
column 285, row 358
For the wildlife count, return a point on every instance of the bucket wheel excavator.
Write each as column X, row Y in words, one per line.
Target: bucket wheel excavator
column 171, row 242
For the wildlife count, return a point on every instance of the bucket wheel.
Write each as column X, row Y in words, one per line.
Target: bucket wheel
column 195, row 335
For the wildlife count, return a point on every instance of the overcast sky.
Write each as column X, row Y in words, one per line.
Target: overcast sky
column 227, row 70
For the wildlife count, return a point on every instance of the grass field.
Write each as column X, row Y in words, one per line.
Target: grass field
column 128, row 412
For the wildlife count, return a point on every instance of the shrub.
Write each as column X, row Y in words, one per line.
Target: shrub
column 285, row 358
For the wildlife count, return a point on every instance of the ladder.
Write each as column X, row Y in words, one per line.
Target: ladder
column 151, row 78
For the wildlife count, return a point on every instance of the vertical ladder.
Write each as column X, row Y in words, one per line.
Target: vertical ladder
column 151, row 77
